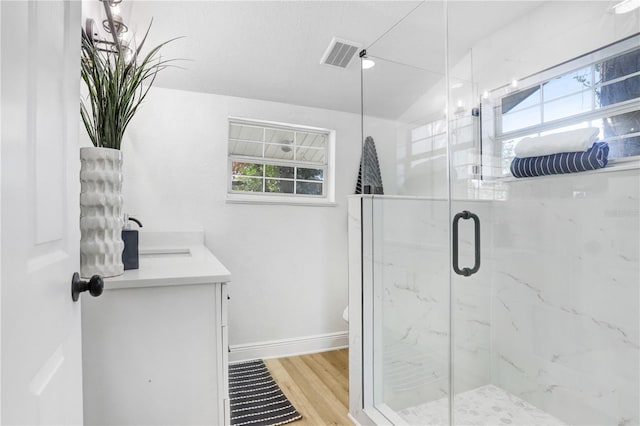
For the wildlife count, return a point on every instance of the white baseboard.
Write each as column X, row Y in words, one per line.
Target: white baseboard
column 353, row 419
column 289, row 347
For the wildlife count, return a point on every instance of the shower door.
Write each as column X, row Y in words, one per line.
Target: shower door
column 547, row 331
column 406, row 220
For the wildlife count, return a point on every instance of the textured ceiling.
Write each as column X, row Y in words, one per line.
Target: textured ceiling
column 271, row 49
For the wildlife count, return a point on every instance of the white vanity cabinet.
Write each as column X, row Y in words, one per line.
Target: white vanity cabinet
column 155, row 342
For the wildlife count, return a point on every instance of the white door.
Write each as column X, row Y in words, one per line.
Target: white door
column 41, row 355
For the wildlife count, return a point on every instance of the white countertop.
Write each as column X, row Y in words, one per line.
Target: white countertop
column 171, row 259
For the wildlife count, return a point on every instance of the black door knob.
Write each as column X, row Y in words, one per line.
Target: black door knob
column 95, row 285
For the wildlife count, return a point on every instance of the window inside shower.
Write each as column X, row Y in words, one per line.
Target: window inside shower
column 596, row 92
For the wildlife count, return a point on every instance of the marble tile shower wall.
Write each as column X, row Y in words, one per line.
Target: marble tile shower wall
column 565, row 301
column 411, row 240
column 553, row 316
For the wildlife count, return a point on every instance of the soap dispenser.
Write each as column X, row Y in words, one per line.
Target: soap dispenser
column 130, row 238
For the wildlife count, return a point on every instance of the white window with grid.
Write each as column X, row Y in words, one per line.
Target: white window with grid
column 275, row 162
column 600, row 89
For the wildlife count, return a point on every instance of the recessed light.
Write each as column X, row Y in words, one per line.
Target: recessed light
column 368, row 63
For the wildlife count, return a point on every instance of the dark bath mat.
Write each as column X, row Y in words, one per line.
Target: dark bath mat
column 255, row 398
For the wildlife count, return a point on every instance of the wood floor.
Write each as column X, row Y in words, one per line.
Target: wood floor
column 317, row 385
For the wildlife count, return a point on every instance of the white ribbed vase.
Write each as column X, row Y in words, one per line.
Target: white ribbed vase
column 101, row 218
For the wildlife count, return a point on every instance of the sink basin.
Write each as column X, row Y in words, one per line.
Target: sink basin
column 164, row 253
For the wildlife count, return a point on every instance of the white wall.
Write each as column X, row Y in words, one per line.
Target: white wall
column 288, row 263
column 551, row 34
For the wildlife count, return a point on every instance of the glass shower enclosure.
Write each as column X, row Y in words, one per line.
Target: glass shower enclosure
column 477, row 297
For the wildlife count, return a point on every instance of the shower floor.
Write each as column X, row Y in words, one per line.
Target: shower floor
column 486, row 405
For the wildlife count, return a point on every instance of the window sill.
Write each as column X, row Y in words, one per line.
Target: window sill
column 282, row 201
column 618, row 165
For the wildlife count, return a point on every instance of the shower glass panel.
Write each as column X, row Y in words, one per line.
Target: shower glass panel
column 490, row 299
column 547, row 331
column 410, row 299
column 407, row 246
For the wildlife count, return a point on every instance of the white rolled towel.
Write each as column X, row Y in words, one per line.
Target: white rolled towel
column 570, row 141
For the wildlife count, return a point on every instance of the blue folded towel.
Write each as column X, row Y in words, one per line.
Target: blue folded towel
column 566, row 162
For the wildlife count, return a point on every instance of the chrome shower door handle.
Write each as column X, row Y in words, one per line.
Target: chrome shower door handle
column 476, row 265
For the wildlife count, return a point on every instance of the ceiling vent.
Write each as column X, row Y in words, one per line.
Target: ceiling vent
column 340, row 52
